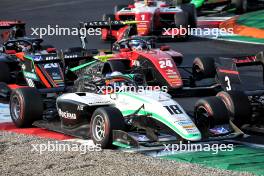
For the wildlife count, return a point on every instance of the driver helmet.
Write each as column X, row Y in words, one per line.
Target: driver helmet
column 114, row 85
column 149, row 2
column 24, row 48
column 136, row 45
column 115, row 73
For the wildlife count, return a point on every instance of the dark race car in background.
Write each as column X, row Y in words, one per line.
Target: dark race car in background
column 14, row 40
column 26, row 61
column 46, row 72
column 242, row 95
column 11, row 29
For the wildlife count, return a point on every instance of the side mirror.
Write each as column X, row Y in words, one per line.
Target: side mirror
column 165, row 48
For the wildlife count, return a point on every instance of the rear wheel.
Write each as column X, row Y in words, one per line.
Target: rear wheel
column 26, row 106
column 210, row 112
column 238, row 106
column 4, row 73
column 204, row 68
column 241, row 6
column 192, row 14
column 103, row 122
column 181, row 22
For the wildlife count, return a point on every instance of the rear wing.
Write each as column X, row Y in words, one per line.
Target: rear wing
column 60, row 57
column 12, row 29
column 228, row 74
column 106, row 24
column 110, row 25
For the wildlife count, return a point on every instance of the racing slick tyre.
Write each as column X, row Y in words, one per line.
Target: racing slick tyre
column 208, row 113
column 181, row 21
column 118, row 8
column 26, row 106
column 238, row 106
column 192, row 14
column 203, row 68
column 5, row 73
column 241, row 6
column 104, row 121
column 106, row 17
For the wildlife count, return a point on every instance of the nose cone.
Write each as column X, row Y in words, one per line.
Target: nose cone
column 144, row 26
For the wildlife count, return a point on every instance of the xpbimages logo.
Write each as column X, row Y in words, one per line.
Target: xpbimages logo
column 134, row 89
column 64, row 147
column 183, row 31
column 65, row 31
column 192, row 147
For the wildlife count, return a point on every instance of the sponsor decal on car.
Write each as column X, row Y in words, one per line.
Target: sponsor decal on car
column 30, row 75
column 67, row 115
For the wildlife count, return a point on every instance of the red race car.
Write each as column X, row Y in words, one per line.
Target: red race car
column 11, row 29
column 152, row 18
column 160, row 65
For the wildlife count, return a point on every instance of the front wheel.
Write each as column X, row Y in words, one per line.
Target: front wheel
column 238, row 106
column 26, row 106
column 204, row 68
column 103, row 122
column 210, row 112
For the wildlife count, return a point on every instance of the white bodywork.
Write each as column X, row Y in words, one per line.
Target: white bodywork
column 157, row 104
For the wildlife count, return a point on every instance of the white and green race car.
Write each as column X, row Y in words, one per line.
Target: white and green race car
column 116, row 111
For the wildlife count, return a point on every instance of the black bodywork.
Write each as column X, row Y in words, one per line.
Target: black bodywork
column 246, row 80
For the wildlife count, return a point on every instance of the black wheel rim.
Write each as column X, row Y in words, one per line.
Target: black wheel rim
column 15, row 108
column 98, row 128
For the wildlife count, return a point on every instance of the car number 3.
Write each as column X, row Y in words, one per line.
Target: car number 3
column 228, row 87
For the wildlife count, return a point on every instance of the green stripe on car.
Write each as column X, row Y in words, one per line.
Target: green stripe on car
column 163, row 120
